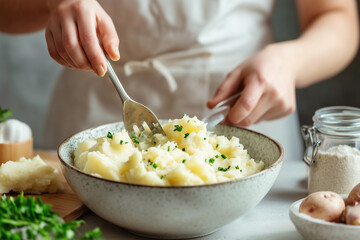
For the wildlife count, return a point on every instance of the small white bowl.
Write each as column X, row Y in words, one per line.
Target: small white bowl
column 316, row 229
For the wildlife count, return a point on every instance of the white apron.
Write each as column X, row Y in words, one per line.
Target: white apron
column 174, row 55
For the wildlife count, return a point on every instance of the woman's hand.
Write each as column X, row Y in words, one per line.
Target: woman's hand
column 74, row 32
column 267, row 85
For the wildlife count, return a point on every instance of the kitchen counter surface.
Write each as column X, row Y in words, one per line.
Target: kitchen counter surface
column 269, row 220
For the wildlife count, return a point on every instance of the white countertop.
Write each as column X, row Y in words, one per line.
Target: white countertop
column 268, row 220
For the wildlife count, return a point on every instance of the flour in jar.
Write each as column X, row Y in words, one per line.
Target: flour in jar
column 336, row 169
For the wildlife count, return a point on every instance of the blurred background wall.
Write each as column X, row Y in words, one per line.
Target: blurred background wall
column 28, row 75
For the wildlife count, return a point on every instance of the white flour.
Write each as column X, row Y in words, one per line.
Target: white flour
column 337, row 170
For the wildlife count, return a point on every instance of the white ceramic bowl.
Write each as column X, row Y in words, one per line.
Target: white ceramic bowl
column 173, row 212
column 316, row 229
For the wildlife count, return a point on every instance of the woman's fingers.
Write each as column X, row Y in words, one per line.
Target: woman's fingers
column 248, row 100
column 52, row 49
column 279, row 110
column 90, row 43
column 261, row 108
column 76, row 30
column 229, row 86
column 70, row 37
column 59, row 44
column 108, row 37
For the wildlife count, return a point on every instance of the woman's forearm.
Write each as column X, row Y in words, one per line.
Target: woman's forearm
column 23, row 16
column 328, row 43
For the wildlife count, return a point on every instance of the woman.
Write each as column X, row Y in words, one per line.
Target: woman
column 175, row 54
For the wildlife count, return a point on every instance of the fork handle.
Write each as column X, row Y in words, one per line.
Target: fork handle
column 120, row 89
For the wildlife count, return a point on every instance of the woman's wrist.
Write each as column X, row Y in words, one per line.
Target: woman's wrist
column 291, row 54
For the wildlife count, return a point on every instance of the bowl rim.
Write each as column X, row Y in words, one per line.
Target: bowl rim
column 275, row 164
column 294, row 210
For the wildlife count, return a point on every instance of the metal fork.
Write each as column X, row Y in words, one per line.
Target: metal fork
column 220, row 111
column 134, row 113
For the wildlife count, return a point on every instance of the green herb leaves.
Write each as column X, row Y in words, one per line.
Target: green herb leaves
column 178, row 128
column 211, row 161
column 135, row 140
column 38, row 221
column 5, row 114
column 150, row 163
column 223, row 169
column 109, row 135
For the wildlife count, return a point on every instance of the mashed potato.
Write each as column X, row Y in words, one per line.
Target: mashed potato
column 188, row 155
column 29, row 176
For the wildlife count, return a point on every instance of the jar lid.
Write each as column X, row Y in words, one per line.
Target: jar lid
column 338, row 121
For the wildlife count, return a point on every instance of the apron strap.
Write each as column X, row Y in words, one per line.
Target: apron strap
column 158, row 64
column 132, row 67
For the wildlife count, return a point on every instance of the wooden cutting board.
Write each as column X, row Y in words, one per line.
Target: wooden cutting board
column 65, row 203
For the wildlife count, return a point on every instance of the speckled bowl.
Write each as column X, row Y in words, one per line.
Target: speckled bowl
column 315, row 229
column 173, row 212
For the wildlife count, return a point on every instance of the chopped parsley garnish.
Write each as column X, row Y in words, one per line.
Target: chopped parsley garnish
column 237, row 167
column 154, row 142
column 154, row 165
column 183, row 149
column 217, row 145
column 126, row 142
column 121, row 141
column 134, row 139
column 223, row 156
column 217, row 156
column 161, row 177
column 183, row 161
column 175, row 148
column 30, row 218
column 204, row 138
column 178, row 128
column 211, row 161
column 240, row 170
column 109, row 135
column 223, row 169
column 186, row 135
column 168, row 148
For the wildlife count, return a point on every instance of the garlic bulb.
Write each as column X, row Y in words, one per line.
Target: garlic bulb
column 13, row 130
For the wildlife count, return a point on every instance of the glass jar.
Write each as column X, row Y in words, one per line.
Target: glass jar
column 332, row 149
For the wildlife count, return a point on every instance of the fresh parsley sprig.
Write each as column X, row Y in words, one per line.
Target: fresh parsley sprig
column 30, row 218
column 5, row 114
